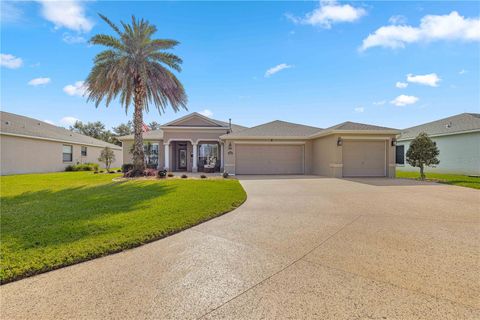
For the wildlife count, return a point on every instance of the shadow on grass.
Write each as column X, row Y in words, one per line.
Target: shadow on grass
column 48, row 218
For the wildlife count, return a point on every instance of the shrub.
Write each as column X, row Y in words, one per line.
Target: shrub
column 119, row 170
column 145, row 173
column 162, row 174
column 170, row 175
column 225, row 174
column 127, row 167
column 102, row 171
column 184, row 176
column 150, row 172
column 83, row 167
column 203, row 176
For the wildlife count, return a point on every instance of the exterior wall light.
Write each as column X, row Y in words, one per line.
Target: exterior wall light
column 394, row 142
column 339, row 142
column 229, row 146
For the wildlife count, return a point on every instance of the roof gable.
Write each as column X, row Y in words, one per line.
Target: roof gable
column 349, row 125
column 194, row 120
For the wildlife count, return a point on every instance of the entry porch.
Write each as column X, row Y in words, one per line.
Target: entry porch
column 193, row 156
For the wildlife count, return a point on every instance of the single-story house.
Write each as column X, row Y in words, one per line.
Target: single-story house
column 457, row 138
column 28, row 145
column 198, row 143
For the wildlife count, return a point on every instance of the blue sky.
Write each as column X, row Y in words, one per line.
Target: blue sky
column 318, row 63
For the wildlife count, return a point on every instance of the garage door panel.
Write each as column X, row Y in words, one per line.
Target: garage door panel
column 364, row 159
column 269, row 159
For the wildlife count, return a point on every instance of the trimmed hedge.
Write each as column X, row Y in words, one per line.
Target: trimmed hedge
column 83, row 167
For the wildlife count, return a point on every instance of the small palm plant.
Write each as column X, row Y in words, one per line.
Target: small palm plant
column 136, row 68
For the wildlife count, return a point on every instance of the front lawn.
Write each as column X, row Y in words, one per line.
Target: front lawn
column 57, row 219
column 454, row 179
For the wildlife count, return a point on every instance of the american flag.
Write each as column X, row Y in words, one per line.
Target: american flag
column 145, row 128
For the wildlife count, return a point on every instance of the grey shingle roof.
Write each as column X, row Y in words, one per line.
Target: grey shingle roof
column 275, row 128
column 348, row 125
column 11, row 123
column 454, row 124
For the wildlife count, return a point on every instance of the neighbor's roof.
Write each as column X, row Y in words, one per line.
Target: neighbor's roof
column 459, row 123
column 17, row 125
column 274, row 129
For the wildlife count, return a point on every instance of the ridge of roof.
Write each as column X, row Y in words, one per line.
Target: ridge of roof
column 15, row 124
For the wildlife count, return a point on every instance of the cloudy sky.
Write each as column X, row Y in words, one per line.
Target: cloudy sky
column 319, row 63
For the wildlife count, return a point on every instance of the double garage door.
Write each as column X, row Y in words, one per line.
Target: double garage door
column 364, row 158
column 269, row 159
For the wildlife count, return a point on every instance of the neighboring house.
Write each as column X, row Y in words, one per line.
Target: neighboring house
column 195, row 142
column 28, row 145
column 457, row 138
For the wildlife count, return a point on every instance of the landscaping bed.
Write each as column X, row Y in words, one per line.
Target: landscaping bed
column 58, row 219
column 453, row 179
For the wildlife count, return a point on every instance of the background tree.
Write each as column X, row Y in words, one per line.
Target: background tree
column 135, row 68
column 422, row 152
column 123, row 129
column 107, row 156
column 95, row 130
column 154, row 125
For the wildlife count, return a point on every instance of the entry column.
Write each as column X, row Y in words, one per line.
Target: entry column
column 221, row 156
column 167, row 155
column 195, row 158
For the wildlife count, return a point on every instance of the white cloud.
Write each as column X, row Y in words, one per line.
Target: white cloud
column 398, row 19
column 403, row 100
column 68, row 14
column 401, row 85
column 68, row 121
column 10, row 12
column 359, row 109
column 463, row 71
column 10, row 61
column 430, row 79
column 328, row 13
column 207, row 113
column 276, row 69
column 380, row 103
column 73, row 39
column 77, row 89
column 49, row 122
column 432, row 28
column 39, row 81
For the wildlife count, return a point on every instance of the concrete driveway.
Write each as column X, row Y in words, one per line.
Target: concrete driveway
column 299, row 248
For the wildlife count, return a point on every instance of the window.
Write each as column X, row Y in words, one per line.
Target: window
column 400, row 155
column 67, row 153
column 84, row 151
column 208, row 154
column 151, row 154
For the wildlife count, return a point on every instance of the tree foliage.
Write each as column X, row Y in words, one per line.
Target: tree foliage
column 423, row 152
column 107, row 156
column 123, row 129
column 154, row 125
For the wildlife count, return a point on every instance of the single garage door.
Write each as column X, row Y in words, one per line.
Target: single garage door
column 268, row 159
column 364, row 158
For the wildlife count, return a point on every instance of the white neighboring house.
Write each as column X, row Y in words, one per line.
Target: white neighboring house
column 457, row 138
column 28, row 145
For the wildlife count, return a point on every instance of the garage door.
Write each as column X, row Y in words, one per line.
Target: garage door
column 364, row 158
column 268, row 159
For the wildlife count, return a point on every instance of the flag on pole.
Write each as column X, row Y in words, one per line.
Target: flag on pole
column 145, row 128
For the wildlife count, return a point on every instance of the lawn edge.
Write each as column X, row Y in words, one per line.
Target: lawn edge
column 127, row 247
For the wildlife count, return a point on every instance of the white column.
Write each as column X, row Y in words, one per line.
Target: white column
column 167, row 156
column 195, row 158
column 221, row 155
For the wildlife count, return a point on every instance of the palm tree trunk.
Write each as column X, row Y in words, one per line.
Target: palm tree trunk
column 138, row 155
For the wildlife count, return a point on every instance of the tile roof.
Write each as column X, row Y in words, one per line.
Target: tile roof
column 15, row 124
column 454, row 124
column 275, row 128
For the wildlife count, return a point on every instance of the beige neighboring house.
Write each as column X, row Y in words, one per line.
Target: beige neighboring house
column 198, row 143
column 28, row 145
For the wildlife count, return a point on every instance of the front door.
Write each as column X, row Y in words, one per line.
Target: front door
column 182, row 158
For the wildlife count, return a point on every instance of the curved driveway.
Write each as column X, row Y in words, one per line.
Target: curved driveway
column 299, row 248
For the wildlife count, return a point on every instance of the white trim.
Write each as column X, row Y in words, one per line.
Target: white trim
column 228, row 137
column 166, row 129
column 191, row 115
column 336, row 165
column 443, row 134
column 271, row 142
column 178, row 139
column 365, row 138
column 394, row 165
column 59, row 140
column 207, row 140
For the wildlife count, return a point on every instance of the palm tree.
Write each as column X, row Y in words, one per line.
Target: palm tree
column 136, row 67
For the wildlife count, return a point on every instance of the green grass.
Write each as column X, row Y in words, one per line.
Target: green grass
column 58, row 219
column 453, row 179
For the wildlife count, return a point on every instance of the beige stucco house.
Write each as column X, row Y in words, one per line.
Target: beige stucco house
column 197, row 143
column 28, row 145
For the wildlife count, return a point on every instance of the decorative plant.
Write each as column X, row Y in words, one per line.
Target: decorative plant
column 135, row 68
column 423, row 152
column 162, row 174
column 184, row 176
column 225, row 174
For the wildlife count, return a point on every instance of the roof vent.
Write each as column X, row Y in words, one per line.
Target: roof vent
column 448, row 125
